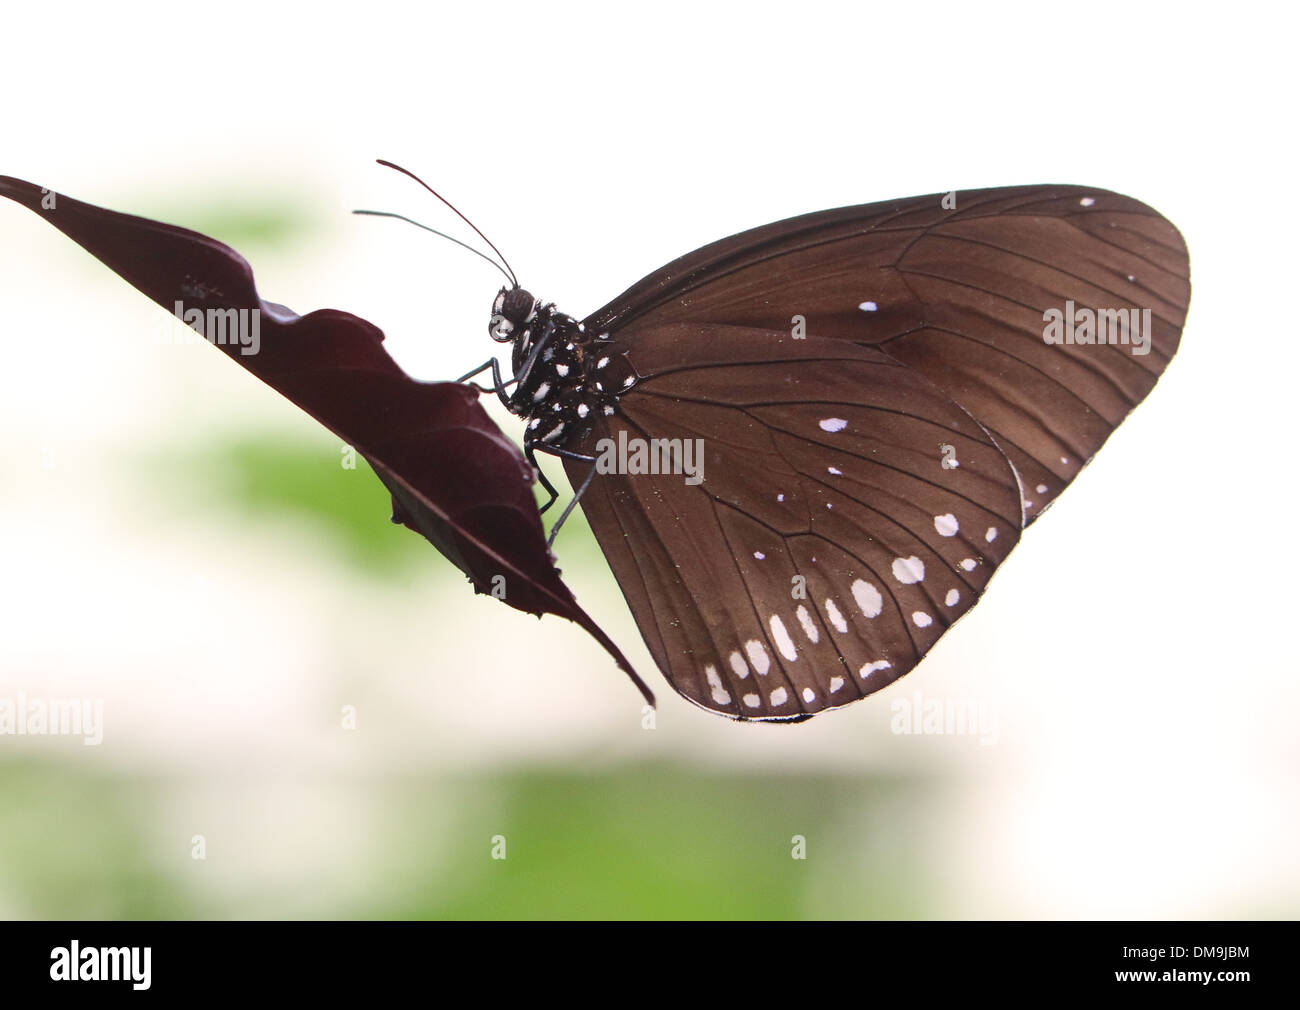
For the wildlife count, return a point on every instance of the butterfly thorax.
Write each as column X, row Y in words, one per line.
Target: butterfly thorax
column 566, row 376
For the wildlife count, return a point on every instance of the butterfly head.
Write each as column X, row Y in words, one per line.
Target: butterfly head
column 513, row 308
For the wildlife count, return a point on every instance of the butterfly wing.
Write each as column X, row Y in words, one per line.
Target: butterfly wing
column 959, row 295
column 924, row 322
column 827, row 547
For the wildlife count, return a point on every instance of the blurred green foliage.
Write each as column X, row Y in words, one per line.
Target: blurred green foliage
column 278, row 477
column 269, row 220
column 640, row 841
column 663, row 842
column 77, row 846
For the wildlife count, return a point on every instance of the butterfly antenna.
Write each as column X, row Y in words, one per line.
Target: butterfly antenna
column 463, row 245
column 399, row 168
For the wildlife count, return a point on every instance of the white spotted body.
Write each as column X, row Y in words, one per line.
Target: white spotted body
column 566, row 376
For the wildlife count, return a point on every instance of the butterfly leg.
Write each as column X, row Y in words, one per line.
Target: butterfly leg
column 566, row 454
column 527, row 370
column 547, row 486
column 553, row 450
column 569, row 508
column 498, row 386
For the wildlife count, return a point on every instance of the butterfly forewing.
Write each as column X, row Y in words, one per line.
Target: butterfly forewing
column 956, row 286
column 827, row 547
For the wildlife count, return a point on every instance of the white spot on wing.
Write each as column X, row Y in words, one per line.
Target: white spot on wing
column 834, row 470
column 946, row 524
column 809, row 625
column 783, row 640
column 718, row 692
column 759, row 556
column 809, row 695
column 738, row 665
column 991, row 534
column 561, row 370
column 868, row 598
column 1087, row 201
column 758, row 656
column 837, row 619
column 868, row 306
column 909, row 570
column 832, row 424
column 921, row 619
column 752, row 700
column 952, row 598
column 869, row 668
column 836, row 684
column 969, row 564
column 1042, row 489
column 779, row 696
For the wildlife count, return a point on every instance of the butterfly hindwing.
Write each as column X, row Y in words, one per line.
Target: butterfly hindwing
column 828, row 546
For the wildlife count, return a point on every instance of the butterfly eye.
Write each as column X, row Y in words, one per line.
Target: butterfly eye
column 500, row 329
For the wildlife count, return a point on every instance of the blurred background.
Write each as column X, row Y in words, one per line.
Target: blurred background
column 306, row 712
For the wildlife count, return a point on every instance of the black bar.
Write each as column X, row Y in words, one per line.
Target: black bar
column 870, row 959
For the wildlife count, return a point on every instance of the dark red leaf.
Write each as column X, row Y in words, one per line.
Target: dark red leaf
column 454, row 476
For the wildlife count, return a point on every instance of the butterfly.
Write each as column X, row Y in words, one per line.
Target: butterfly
column 881, row 398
